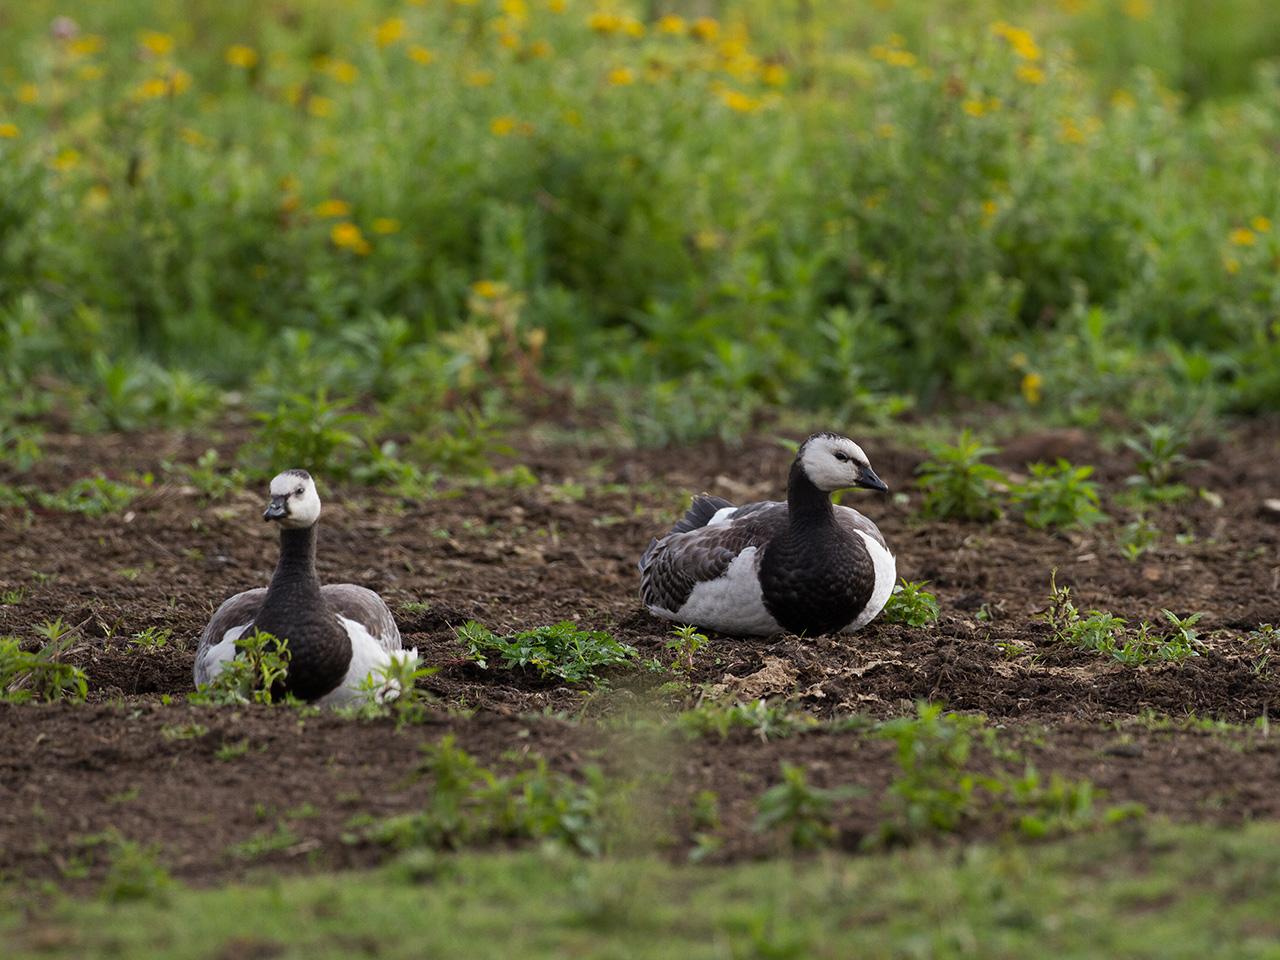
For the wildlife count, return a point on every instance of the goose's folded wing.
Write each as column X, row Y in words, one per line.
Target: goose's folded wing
column 367, row 609
column 235, row 612
column 674, row 565
column 853, row 521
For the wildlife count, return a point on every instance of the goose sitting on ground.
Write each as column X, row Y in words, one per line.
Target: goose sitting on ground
column 338, row 634
column 804, row 566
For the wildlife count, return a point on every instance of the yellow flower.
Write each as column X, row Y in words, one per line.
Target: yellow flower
column 602, row 21
column 989, row 210
column 1029, row 74
column 347, row 236
column 633, row 27
column 419, row 54
column 66, row 159
column 739, row 102
column 1261, row 224
column 673, row 25
column 90, row 72
column 9, row 131
column 509, row 41
column 502, row 126
column 386, row 225
column 333, row 208
column 179, row 81
column 487, row 289
column 1138, row 9
column 239, row 55
column 1021, row 41
column 540, row 49
column 774, row 74
column 1123, row 100
column 158, row 43
column 621, row 77
column 886, row 131
column 343, row 72
column 516, row 9
column 1031, row 383
column 1242, row 237
column 193, row 137
column 705, row 28
column 974, row 108
column 388, row 31
column 478, row 78
column 319, row 106
column 87, row 45
column 97, row 197
column 152, row 89
column 28, row 93
column 557, row 6
column 1069, row 131
column 894, row 56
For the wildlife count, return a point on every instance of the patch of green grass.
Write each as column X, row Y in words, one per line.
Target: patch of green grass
column 393, row 690
column 768, row 721
column 281, row 837
column 911, row 604
column 561, row 650
column 801, row 813
column 1107, row 634
column 208, row 479
column 40, row 675
column 957, row 484
column 151, row 638
column 1150, row 893
column 11, row 598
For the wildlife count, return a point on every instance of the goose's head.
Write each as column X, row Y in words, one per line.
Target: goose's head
column 832, row 462
column 294, row 502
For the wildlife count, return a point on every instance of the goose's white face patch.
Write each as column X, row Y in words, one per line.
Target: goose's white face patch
column 301, row 500
column 833, row 463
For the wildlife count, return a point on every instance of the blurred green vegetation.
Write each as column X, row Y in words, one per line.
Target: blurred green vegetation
column 688, row 210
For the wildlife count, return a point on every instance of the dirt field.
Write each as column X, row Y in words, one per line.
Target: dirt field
column 516, row 558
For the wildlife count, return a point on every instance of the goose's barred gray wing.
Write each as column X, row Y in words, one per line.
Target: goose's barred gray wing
column 674, row 565
column 855, row 522
column 367, row 609
column 235, row 612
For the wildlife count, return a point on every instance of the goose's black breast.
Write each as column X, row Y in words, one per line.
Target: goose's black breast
column 319, row 645
column 816, row 583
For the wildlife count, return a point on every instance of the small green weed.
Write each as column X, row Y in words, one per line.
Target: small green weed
column 184, row 731
column 306, row 429
column 685, row 644
column 280, row 838
column 911, row 604
column 957, row 484
column 1105, row 633
column 135, row 873
column 802, row 813
column 1160, row 459
column 1137, row 537
column 41, row 674
column 260, row 665
column 393, row 689
column 1059, row 496
column 1265, row 642
column 11, row 598
column 212, row 483
column 151, row 638
column 561, row 650
column 232, row 751
column 765, row 720
column 92, row 496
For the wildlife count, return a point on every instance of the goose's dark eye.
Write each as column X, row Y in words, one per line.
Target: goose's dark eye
column 842, row 457
column 298, row 492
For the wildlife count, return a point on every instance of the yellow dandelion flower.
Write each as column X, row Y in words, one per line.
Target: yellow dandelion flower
column 1261, row 224
column 87, row 45
column 97, row 197
column 160, row 44
column 774, row 74
column 1123, row 100
column 974, row 108
column 989, row 210
column 389, row 31
column 320, row 106
column 739, row 102
column 502, row 126
column 633, row 27
column 673, row 25
column 151, row 89
column 509, row 41
column 1070, row 132
column 541, row 49
column 240, row 55
column 9, row 131
column 1029, row 74
column 385, row 225
column 66, row 159
column 487, row 289
column 516, row 9
column 478, row 78
column 604, row 22
column 1031, row 384
column 90, row 72
column 333, row 208
column 1021, row 41
column 621, row 77
column 343, row 72
column 706, row 29
column 557, row 6
column 1231, row 265
column 421, row 55
column 1242, row 237
column 347, row 236
column 1138, row 9
column 894, row 56
column 28, row 93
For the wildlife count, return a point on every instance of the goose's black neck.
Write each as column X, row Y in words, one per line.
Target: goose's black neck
column 296, row 568
column 806, row 504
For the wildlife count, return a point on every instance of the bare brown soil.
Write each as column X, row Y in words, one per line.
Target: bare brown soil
column 566, row 549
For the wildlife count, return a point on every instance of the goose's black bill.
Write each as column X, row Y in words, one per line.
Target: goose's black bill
column 277, row 509
column 867, row 478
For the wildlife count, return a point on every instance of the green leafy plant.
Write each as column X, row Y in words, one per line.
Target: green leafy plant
column 802, row 813
column 685, row 644
column 1102, row 632
column 561, row 650
column 135, row 873
column 1137, row 537
column 92, row 496
column 212, row 483
column 957, row 484
column 253, row 676
column 42, row 674
column 1160, row 459
column 151, row 638
column 911, row 604
column 767, row 721
column 393, row 689
column 1061, row 496
column 308, row 429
